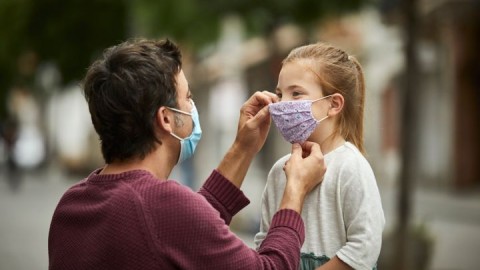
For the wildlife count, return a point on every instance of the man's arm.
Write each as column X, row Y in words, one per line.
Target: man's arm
column 281, row 246
column 252, row 132
column 253, row 127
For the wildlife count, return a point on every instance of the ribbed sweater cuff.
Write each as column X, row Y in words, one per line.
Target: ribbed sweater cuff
column 226, row 193
column 289, row 218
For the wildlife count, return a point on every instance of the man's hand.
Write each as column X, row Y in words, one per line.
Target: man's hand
column 252, row 132
column 254, row 122
column 304, row 170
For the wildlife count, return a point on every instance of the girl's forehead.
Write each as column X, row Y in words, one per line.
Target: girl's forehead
column 301, row 62
column 301, row 65
column 299, row 69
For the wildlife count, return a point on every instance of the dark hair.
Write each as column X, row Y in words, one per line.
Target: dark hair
column 124, row 90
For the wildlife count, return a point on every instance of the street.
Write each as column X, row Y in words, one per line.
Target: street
column 27, row 204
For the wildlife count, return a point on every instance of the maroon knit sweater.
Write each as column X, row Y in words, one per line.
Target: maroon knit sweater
column 134, row 221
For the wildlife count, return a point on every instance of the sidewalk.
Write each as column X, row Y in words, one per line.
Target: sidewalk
column 452, row 220
column 26, row 211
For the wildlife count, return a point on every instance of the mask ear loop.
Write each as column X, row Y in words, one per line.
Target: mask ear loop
column 322, row 98
column 318, row 121
column 182, row 112
column 176, row 136
column 179, row 111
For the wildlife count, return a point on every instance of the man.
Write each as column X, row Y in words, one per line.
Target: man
column 127, row 215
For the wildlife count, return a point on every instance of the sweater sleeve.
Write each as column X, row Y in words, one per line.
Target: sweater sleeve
column 194, row 236
column 225, row 197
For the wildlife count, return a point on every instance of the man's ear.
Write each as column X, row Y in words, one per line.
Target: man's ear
column 336, row 104
column 164, row 119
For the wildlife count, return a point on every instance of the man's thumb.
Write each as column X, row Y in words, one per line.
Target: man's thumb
column 296, row 149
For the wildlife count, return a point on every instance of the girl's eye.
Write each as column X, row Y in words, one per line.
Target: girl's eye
column 279, row 95
column 295, row 94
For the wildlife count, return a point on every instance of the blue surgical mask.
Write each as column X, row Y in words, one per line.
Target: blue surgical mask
column 188, row 145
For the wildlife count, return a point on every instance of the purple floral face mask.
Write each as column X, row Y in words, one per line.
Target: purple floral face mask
column 294, row 119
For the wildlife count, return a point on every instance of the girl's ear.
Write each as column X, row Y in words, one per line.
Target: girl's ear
column 336, row 105
column 164, row 119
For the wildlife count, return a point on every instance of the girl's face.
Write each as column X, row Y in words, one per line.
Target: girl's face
column 297, row 81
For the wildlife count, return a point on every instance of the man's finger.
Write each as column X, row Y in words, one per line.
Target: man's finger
column 261, row 98
column 271, row 95
column 296, row 150
column 310, row 146
column 260, row 117
column 315, row 148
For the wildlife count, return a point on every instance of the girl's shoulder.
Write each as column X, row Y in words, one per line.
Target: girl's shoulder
column 346, row 151
column 281, row 161
column 276, row 175
column 347, row 157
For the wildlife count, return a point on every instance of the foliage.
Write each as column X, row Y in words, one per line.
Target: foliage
column 197, row 22
column 68, row 33
column 71, row 32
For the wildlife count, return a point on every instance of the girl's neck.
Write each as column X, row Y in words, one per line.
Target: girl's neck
column 331, row 143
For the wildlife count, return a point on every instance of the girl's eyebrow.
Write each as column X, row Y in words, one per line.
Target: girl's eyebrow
column 294, row 86
column 290, row 88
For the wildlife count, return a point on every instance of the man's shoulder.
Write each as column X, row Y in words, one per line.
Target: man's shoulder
column 163, row 191
column 170, row 195
column 172, row 205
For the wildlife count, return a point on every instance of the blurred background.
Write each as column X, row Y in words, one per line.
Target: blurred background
column 422, row 68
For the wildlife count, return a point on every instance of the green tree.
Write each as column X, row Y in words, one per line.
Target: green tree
column 67, row 33
column 71, row 32
column 197, row 22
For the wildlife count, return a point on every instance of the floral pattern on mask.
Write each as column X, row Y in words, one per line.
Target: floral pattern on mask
column 294, row 119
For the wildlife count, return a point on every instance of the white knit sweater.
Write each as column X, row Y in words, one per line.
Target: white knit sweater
column 343, row 215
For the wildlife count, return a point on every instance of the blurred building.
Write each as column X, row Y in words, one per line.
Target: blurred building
column 448, row 128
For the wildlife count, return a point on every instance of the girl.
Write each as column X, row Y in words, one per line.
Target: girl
column 322, row 95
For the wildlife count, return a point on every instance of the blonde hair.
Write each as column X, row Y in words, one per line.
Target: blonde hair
column 338, row 72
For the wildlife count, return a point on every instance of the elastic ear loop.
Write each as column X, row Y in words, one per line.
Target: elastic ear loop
column 318, row 121
column 176, row 136
column 322, row 98
column 178, row 111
